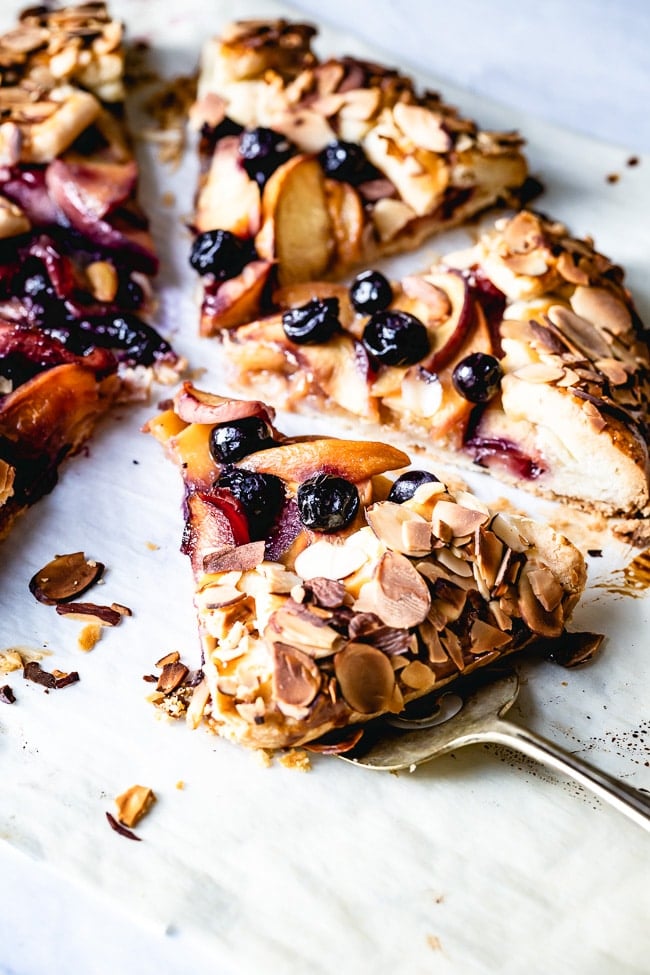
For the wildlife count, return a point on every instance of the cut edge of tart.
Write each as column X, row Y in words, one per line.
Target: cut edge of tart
column 328, row 594
column 318, row 166
column 76, row 255
column 529, row 361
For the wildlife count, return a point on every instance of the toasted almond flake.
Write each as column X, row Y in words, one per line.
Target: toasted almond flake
column 436, row 651
column 580, row 332
column 490, row 552
column 612, row 368
column 122, row 610
column 522, row 233
column 570, row 271
column 546, row 587
column 172, row 676
column 133, row 804
column 534, row 615
column 451, row 519
column 422, row 127
column 532, row 265
column 453, row 563
column 602, row 308
column 505, row 529
column 90, row 612
column 400, row 528
column 296, row 677
column 452, row 645
column 304, row 629
column 240, row 557
column 330, row 560
column 539, row 372
column 65, row 577
column 397, row 594
column 418, row 676
column 366, row 678
column 486, row 638
column 170, row 658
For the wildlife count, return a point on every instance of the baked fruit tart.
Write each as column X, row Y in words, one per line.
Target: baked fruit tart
column 76, row 255
column 310, row 167
column 522, row 355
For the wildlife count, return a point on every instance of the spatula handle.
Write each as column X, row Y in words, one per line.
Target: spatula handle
column 626, row 799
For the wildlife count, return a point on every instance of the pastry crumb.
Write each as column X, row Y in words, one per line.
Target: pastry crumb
column 263, row 758
column 152, row 546
column 434, row 942
column 180, row 785
column 296, row 758
column 89, row 637
column 133, row 804
column 612, row 177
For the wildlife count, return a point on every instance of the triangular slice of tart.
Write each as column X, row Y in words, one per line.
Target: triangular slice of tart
column 329, row 593
column 310, row 167
column 523, row 355
column 76, row 256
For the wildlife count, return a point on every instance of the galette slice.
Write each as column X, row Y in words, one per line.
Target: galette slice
column 76, row 256
column 311, row 167
column 329, row 593
column 523, row 355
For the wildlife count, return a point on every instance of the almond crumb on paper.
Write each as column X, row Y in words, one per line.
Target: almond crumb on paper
column 89, row 637
column 434, row 942
column 180, row 785
column 133, row 804
column 152, row 546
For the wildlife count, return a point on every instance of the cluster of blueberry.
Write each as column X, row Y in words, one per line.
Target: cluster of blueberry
column 325, row 502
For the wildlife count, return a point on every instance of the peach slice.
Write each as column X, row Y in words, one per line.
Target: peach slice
column 230, row 199
column 355, row 460
column 346, row 212
column 237, row 300
column 297, row 229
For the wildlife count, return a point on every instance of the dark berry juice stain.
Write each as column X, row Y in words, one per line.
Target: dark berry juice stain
column 633, row 580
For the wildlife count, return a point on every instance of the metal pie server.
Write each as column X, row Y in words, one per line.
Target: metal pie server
column 453, row 721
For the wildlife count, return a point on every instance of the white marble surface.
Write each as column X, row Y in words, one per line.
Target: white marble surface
column 502, row 869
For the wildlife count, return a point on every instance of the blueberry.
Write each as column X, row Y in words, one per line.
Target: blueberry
column 406, row 485
column 260, row 495
column 347, row 162
column 129, row 293
column 312, row 323
column 138, row 342
column 477, row 377
column 396, row 338
column 232, row 441
column 370, row 291
column 327, row 503
column 221, row 253
column 262, row 151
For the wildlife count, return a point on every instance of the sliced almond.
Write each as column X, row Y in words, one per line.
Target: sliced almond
column 172, row 676
column 602, row 308
column 329, row 560
column 546, row 587
column 398, row 594
column 486, row 638
column 297, row 626
column 241, row 557
column 418, row 676
column 401, row 529
column 65, row 577
column 450, row 519
column 366, row 678
column 539, row 372
column 90, row 613
column 580, row 332
column 535, row 616
column 422, row 127
column 296, row 677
